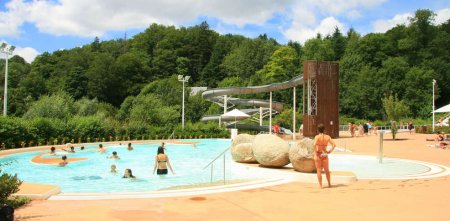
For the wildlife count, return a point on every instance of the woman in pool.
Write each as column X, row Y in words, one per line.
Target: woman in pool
column 128, row 174
column 161, row 162
column 321, row 154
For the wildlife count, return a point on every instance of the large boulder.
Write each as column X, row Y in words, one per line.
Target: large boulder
column 241, row 149
column 270, row 150
column 301, row 156
column 243, row 138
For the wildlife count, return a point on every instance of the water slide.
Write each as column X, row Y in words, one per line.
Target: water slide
column 216, row 95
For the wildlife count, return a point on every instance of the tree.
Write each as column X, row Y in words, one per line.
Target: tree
column 59, row 105
column 395, row 109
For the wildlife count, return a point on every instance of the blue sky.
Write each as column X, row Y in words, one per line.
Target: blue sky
column 37, row 26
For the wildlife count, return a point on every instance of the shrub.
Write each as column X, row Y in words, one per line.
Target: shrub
column 9, row 184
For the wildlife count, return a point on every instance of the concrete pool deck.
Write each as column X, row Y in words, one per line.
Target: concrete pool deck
column 415, row 199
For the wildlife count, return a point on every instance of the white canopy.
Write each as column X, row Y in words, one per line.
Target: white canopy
column 443, row 109
column 236, row 114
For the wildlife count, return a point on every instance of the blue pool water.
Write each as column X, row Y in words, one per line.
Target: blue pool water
column 94, row 175
column 368, row 167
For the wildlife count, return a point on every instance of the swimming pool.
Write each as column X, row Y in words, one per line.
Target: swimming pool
column 188, row 161
column 93, row 175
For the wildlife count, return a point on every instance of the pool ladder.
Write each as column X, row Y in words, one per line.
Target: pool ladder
column 212, row 164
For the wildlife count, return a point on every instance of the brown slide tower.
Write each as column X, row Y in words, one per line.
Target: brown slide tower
column 320, row 97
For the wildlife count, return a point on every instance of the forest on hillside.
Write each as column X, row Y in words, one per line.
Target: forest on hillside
column 133, row 81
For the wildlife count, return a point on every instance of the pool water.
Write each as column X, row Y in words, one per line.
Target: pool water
column 93, row 175
column 368, row 167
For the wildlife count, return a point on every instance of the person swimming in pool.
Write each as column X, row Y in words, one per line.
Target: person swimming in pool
column 113, row 169
column 161, row 162
column 321, row 154
column 114, row 156
column 129, row 147
column 52, row 151
column 72, row 150
column 101, row 149
column 64, row 161
column 128, row 174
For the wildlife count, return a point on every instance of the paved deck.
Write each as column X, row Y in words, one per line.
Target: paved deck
column 417, row 199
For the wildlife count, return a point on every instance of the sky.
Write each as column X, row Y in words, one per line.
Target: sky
column 38, row 26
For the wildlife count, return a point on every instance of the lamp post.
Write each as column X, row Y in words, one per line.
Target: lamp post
column 7, row 50
column 183, row 79
column 434, row 85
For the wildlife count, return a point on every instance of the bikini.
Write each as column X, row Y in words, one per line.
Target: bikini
column 161, row 171
column 320, row 154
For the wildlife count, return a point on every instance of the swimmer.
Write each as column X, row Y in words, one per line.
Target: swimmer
column 129, row 147
column 52, row 151
column 128, row 174
column 82, row 148
column 113, row 169
column 162, row 162
column 101, row 149
column 64, row 161
column 114, row 156
column 72, row 150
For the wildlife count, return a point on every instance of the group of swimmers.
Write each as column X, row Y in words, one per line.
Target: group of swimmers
column 160, row 167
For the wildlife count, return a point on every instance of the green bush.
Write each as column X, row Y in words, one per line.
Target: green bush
column 9, row 184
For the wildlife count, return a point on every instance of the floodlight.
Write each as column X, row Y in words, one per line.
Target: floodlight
column 180, row 77
column 3, row 46
column 11, row 49
column 186, row 78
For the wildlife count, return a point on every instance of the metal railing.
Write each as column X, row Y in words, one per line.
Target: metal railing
column 212, row 164
column 172, row 135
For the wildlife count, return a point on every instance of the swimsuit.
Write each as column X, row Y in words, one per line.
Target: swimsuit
column 161, row 171
column 320, row 154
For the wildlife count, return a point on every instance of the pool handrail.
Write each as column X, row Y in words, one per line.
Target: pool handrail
column 171, row 135
column 212, row 165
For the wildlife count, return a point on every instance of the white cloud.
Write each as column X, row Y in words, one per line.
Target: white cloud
column 27, row 53
column 334, row 7
column 442, row 16
column 353, row 14
column 381, row 26
column 96, row 17
column 302, row 33
column 11, row 21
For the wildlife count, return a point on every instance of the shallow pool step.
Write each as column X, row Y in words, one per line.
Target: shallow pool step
column 171, row 193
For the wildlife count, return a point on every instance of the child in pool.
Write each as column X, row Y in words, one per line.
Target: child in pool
column 114, row 156
column 113, row 169
column 64, row 161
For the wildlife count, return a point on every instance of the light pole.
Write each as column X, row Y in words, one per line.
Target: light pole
column 434, row 85
column 183, row 79
column 7, row 50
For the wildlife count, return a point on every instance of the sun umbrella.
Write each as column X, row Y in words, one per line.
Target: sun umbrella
column 443, row 109
column 236, row 114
